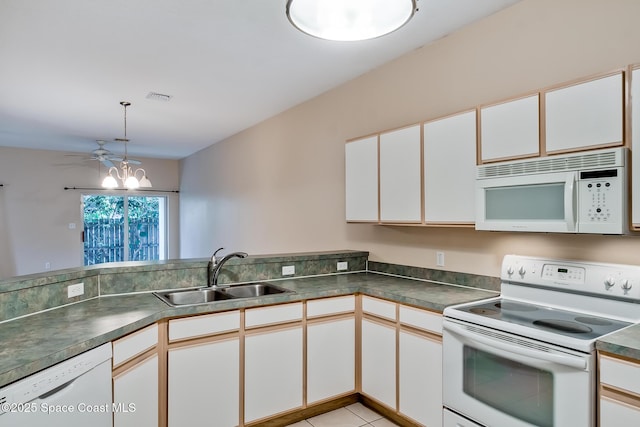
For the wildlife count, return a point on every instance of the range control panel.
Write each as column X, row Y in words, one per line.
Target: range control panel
column 613, row 280
column 563, row 273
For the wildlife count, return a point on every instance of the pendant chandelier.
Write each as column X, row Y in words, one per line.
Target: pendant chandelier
column 349, row 20
column 125, row 172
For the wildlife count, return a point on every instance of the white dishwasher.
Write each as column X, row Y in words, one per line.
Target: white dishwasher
column 76, row 392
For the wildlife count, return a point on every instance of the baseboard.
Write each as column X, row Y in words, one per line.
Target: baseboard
column 321, row 408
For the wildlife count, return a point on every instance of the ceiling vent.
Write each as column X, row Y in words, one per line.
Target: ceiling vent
column 159, row 96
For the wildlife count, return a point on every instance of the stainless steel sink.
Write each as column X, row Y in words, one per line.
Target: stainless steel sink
column 206, row 295
column 192, row 296
column 253, row 290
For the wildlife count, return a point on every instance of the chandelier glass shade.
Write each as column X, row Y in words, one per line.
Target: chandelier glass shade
column 349, row 20
column 129, row 178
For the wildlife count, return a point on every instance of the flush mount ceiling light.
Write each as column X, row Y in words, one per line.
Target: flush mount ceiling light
column 349, row 20
column 126, row 174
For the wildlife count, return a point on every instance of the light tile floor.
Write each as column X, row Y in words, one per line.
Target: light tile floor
column 355, row 415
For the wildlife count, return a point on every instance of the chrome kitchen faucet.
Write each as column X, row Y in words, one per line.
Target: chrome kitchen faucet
column 215, row 265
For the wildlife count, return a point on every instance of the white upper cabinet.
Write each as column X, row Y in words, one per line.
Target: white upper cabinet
column 635, row 147
column 585, row 115
column 450, row 169
column 400, row 176
column 510, row 129
column 361, row 179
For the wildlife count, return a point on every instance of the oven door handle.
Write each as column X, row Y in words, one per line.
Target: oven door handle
column 488, row 343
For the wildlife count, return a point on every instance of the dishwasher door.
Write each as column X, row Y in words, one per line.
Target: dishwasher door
column 76, row 392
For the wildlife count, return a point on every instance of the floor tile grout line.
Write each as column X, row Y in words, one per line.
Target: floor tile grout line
column 366, row 422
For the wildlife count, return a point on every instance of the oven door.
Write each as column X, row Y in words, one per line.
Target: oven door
column 539, row 202
column 499, row 379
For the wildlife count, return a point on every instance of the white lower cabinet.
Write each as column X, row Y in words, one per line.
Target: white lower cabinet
column 135, row 395
column 420, row 378
column 273, row 372
column 203, row 364
column 214, row 362
column 410, row 385
column 619, row 392
column 615, row 413
column 330, row 359
column 378, row 362
column 204, row 381
column 135, row 379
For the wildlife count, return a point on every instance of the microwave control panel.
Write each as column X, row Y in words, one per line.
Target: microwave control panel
column 600, row 200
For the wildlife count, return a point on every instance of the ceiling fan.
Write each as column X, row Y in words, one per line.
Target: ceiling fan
column 107, row 157
column 103, row 155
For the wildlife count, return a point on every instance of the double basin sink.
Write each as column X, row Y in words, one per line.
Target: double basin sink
column 183, row 297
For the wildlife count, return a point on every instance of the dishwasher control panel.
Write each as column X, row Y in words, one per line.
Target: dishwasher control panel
column 55, row 377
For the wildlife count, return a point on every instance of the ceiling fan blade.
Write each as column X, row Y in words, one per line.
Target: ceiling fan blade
column 134, row 162
column 107, row 163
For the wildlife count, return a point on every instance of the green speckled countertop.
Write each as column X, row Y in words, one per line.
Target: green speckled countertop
column 32, row 343
column 625, row 343
column 35, row 342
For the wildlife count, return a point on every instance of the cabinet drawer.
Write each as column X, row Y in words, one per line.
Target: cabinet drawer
column 328, row 306
column 421, row 319
column 620, row 374
column 378, row 307
column 134, row 344
column 204, row 325
column 255, row 317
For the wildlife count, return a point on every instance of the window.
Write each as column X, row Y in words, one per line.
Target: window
column 124, row 228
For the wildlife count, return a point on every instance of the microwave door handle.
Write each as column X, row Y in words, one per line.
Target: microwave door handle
column 489, row 344
column 569, row 201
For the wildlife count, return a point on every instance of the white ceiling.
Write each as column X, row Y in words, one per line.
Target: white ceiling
column 65, row 65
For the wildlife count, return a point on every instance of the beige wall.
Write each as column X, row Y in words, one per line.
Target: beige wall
column 35, row 210
column 279, row 186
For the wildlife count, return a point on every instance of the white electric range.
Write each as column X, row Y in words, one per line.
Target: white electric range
column 527, row 358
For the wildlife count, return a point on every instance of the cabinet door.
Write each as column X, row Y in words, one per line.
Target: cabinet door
column 273, row 373
column 378, row 362
column 614, row 413
column 635, row 147
column 204, row 381
column 511, row 129
column 400, row 176
column 330, row 359
column 450, row 169
column 361, row 179
column 420, row 381
column 585, row 115
column 135, row 395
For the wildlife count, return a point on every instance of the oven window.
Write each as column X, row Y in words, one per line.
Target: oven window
column 525, row 202
column 510, row 387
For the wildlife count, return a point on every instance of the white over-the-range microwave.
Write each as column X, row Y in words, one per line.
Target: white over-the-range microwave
column 582, row 192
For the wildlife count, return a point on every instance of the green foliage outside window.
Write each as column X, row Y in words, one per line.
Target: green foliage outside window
column 105, row 228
